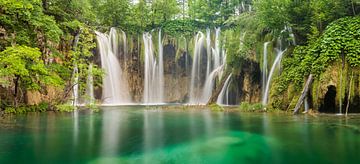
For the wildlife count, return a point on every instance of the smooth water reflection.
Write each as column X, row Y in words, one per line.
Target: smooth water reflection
column 152, row 135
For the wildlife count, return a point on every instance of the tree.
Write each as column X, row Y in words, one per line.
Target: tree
column 163, row 10
column 25, row 70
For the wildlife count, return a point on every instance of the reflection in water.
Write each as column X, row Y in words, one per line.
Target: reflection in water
column 153, row 132
column 111, row 128
column 76, row 126
column 136, row 135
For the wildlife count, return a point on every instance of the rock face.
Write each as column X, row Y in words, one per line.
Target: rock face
column 249, row 82
column 51, row 94
column 332, row 89
column 329, row 90
column 176, row 75
column 134, row 70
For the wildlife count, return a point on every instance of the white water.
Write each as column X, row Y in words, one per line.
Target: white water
column 195, row 72
column 264, row 68
column 115, row 86
column 90, row 87
column 208, row 51
column 276, row 62
column 224, row 93
column 209, row 85
column 154, row 72
column 75, row 87
column 124, row 42
column 200, row 90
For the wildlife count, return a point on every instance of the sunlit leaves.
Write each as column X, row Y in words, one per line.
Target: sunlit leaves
column 24, row 63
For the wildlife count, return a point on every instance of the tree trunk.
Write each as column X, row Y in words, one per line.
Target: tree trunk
column 348, row 101
column 303, row 94
column 16, row 90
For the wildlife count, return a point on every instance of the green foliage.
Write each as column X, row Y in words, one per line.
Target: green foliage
column 24, row 64
column 246, row 106
column 64, row 108
column 216, row 107
column 241, row 39
column 273, row 13
column 42, row 107
column 186, row 28
column 341, row 38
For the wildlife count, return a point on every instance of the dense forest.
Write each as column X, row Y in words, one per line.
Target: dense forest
column 42, row 42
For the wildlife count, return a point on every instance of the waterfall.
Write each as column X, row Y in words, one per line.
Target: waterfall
column 200, row 92
column 276, row 62
column 243, row 6
column 75, row 87
column 161, row 68
column 264, row 68
column 196, row 70
column 115, row 86
column 208, row 51
column 124, row 45
column 90, row 86
column 154, row 71
column 217, row 55
column 224, row 93
column 209, row 85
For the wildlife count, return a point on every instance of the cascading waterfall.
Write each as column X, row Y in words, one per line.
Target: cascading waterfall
column 115, row 86
column 224, row 93
column 208, row 51
column 217, row 55
column 264, row 68
column 209, row 85
column 75, row 94
column 276, row 62
column 90, row 86
column 154, row 71
column 124, row 46
column 196, row 70
column 200, row 94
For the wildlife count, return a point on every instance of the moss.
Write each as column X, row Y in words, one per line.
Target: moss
column 246, row 106
column 216, row 107
column 41, row 107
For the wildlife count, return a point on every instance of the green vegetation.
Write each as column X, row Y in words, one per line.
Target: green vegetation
column 42, row 42
column 246, row 106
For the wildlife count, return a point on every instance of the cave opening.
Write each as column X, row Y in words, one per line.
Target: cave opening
column 329, row 103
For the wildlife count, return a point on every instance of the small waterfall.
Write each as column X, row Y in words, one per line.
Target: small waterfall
column 243, row 9
column 201, row 92
column 124, row 40
column 115, row 86
column 276, row 62
column 196, row 70
column 264, row 68
column 161, row 68
column 208, row 51
column 209, row 85
column 217, row 56
column 224, row 93
column 154, row 71
column 90, row 87
column 75, row 87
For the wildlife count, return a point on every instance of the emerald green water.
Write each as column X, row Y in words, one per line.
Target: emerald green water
column 152, row 135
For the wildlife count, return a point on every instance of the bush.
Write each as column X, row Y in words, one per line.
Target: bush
column 65, row 108
column 216, row 107
column 251, row 107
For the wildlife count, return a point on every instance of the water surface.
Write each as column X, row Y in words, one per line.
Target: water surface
column 151, row 135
